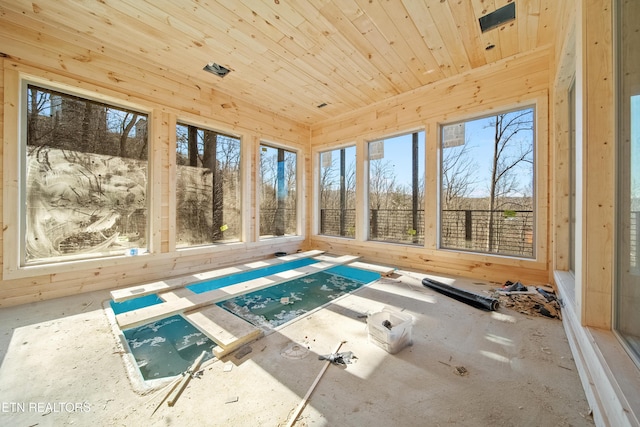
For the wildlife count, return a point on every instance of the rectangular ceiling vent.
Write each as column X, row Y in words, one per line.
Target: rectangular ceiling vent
column 500, row 16
column 216, row 69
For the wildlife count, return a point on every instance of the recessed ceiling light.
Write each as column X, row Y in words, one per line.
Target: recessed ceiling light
column 216, row 69
column 498, row 17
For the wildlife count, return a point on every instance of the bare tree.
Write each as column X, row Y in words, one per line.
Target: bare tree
column 509, row 152
column 457, row 175
column 382, row 183
column 128, row 121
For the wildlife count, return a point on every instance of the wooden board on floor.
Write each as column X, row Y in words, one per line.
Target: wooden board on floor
column 381, row 269
column 152, row 313
column 224, row 328
column 120, row 295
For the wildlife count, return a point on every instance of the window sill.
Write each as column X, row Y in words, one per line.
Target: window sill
column 610, row 379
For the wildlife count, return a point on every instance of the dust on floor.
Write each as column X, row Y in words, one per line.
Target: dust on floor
column 61, row 365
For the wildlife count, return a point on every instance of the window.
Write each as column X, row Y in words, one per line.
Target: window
column 338, row 192
column 85, row 178
column 396, row 189
column 278, row 192
column 207, row 187
column 627, row 285
column 486, row 178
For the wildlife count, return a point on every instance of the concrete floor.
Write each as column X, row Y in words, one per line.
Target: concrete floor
column 61, row 365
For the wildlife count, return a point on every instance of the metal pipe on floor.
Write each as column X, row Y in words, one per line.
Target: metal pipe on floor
column 478, row 301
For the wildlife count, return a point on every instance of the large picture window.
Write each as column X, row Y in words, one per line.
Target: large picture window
column 338, row 192
column 627, row 286
column 85, row 178
column 278, row 192
column 396, row 189
column 207, row 187
column 486, row 177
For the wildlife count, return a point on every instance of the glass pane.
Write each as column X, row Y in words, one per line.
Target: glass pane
column 627, row 321
column 338, row 192
column 277, row 187
column 86, row 178
column 207, row 187
column 486, row 202
column 396, row 189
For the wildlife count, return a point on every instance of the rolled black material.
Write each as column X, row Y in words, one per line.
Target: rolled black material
column 478, row 301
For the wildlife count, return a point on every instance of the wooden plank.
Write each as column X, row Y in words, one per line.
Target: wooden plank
column 159, row 311
column 385, row 271
column 224, row 328
column 175, row 393
column 120, row 295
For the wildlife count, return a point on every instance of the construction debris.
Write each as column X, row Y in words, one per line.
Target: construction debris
column 538, row 301
column 339, row 358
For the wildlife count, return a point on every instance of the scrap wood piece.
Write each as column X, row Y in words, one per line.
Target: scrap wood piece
column 296, row 413
column 175, row 393
column 532, row 305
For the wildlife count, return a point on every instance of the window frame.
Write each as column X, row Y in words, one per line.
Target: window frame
column 241, row 185
column 367, row 185
column 539, row 219
column 14, row 173
column 298, row 198
column 317, row 155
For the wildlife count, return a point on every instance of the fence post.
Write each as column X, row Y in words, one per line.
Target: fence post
column 374, row 223
column 468, row 229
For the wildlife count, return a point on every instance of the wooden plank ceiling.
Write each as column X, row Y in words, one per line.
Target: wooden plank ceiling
column 285, row 56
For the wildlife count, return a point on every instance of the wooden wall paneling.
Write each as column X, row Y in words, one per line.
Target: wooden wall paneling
column 362, row 195
column 249, row 191
column 169, row 223
column 156, row 174
column 559, row 151
column 303, row 190
column 20, row 291
column 10, row 163
column 2, row 125
column 432, row 160
column 428, row 261
column 542, row 183
column 312, row 204
column 599, row 159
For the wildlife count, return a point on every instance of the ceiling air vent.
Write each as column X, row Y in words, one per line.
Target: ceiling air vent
column 216, row 69
column 500, row 16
